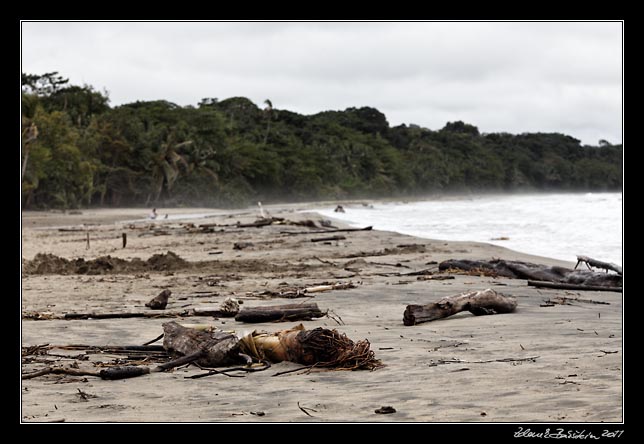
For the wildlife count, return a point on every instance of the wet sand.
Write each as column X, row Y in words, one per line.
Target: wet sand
column 560, row 363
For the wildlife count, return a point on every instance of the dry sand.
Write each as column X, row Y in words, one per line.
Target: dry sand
column 460, row 369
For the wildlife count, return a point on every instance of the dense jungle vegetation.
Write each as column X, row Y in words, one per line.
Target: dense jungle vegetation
column 78, row 151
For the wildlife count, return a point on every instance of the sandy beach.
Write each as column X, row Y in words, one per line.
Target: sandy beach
column 543, row 363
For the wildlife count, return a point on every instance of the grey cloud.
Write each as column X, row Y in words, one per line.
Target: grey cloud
column 513, row 77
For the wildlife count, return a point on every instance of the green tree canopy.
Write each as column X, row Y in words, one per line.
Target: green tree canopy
column 77, row 151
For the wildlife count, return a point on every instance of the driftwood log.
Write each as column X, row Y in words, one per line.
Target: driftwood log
column 535, row 272
column 280, row 313
column 337, row 230
column 227, row 309
column 562, row 286
column 479, row 303
column 214, row 312
column 327, row 239
column 257, row 224
column 207, row 348
column 295, row 292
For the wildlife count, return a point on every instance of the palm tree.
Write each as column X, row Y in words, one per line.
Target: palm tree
column 269, row 116
column 166, row 167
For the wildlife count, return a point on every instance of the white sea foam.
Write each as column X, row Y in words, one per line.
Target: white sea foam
column 553, row 225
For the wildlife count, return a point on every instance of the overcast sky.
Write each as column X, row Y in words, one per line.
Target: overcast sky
column 512, row 77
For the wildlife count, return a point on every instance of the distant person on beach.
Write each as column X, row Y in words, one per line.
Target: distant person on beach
column 153, row 214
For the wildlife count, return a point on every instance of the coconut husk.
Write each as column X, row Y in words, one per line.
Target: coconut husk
column 320, row 347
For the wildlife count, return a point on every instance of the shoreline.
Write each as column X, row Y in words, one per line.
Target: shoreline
column 429, row 368
column 512, row 235
column 94, row 219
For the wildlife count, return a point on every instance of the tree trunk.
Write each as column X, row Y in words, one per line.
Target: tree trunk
column 24, row 162
column 479, row 303
column 280, row 313
column 28, row 135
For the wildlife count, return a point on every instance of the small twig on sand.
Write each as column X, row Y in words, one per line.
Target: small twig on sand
column 213, row 371
column 332, row 315
column 384, row 264
column 154, row 340
column 324, row 262
column 304, row 409
column 459, row 361
column 58, row 371
column 306, row 367
column 609, row 352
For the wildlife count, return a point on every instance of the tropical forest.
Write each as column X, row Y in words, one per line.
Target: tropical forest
column 77, row 151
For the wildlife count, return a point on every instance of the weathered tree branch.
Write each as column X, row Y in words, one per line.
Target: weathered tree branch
column 484, row 302
column 590, row 262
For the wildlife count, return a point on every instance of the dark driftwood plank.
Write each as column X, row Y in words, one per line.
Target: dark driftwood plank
column 289, row 312
column 104, row 315
column 479, row 303
column 563, row 286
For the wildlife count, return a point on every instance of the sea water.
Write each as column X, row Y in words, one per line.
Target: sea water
column 560, row 226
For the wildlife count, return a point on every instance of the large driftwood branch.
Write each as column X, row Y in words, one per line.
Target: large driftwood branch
column 280, row 313
column 484, row 302
column 535, row 272
column 210, row 348
column 590, row 262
